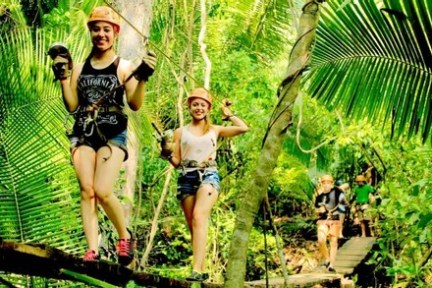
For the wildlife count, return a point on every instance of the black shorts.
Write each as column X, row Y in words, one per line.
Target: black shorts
column 120, row 141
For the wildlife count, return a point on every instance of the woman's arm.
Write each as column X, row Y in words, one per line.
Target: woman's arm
column 135, row 86
column 135, row 90
column 238, row 127
column 69, row 89
column 175, row 158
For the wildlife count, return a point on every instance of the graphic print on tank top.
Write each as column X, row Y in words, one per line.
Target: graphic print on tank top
column 93, row 87
column 95, row 83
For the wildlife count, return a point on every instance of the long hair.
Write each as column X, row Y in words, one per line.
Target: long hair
column 208, row 123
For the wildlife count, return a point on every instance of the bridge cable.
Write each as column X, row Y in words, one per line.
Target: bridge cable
column 147, row 41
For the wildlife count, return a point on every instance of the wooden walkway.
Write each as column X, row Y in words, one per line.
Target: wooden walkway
column 41, row 260
column 352, row 253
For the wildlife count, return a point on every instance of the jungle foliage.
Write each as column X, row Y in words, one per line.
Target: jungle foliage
column 366, row 98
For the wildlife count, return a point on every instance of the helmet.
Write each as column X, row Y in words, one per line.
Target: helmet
column 106, row 14
column 202, row 94
column 360, row 178
column 327, row 178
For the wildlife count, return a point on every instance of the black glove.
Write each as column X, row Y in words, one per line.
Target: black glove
column 60, row 68
column 146, row 68
column 62, row 61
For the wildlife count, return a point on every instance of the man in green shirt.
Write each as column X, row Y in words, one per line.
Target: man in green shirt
column 362, row 193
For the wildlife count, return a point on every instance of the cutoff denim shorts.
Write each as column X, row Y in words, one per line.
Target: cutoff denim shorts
column 188, row 183
column 120, row 141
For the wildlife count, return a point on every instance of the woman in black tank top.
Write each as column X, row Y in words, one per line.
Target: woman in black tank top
column 97, row 161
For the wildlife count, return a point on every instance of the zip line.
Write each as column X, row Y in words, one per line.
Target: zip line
column 147, row 41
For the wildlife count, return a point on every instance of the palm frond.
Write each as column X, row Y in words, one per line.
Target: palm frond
column 38, row 186
column 374, row 62
column 265, row 25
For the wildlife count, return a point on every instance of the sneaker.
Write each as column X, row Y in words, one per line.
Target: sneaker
column 91, row 255
column 126, row 250
column 197, row 277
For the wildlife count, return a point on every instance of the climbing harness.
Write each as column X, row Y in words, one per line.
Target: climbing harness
column 196, row 164
column 199, row 167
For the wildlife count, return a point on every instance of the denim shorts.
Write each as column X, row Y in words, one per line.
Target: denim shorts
column 189, row 183
column 120, row 141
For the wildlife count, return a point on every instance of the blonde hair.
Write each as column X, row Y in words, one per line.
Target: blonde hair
column 208, row 123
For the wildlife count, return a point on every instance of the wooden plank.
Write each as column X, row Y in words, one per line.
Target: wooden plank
column 300, row 280
column 344, row 271
column 347, row 263
column 349, row 257
column 44, row 261
column 352, row 253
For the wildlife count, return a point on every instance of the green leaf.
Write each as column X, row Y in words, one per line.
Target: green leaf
column 424, row 220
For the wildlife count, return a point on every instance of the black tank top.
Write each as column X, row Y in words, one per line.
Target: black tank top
column 93, row 83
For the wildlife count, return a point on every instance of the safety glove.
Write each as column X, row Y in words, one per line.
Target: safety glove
column 62, row 61
column 60, row 67
column 146, row 68
column 226, row 111
column 167, row 143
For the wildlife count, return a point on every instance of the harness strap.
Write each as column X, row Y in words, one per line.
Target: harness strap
column 196, row 164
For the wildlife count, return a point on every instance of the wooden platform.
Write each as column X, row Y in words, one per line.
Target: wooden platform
column 41, row 260
column 352, row 253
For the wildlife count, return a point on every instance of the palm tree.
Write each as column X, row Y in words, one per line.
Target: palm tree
column 372, row 60
column 272, row 146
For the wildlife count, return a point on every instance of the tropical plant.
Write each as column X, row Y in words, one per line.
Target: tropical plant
column 272, row 145
column 357, row 44
column 39, row 192
column 372, row 60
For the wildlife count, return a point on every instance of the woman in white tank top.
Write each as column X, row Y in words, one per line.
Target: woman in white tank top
column 195, row 147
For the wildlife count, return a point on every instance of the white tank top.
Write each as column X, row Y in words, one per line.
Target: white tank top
column 198, row 148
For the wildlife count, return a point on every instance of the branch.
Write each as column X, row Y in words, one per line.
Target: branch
column 203, row 46
column 154, row 226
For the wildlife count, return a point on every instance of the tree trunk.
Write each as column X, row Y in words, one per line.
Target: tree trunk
column 272, row 145
column 135, row 30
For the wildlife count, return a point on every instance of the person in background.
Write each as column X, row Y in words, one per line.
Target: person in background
column 193, row 152
column 326, row 204
column 94, row 92
column 363, row 194
column 343, row 207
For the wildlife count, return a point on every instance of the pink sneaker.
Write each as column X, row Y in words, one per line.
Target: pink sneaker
column 91, row 255
column 126, row 250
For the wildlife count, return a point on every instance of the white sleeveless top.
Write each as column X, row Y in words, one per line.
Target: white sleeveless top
column 198, row 148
